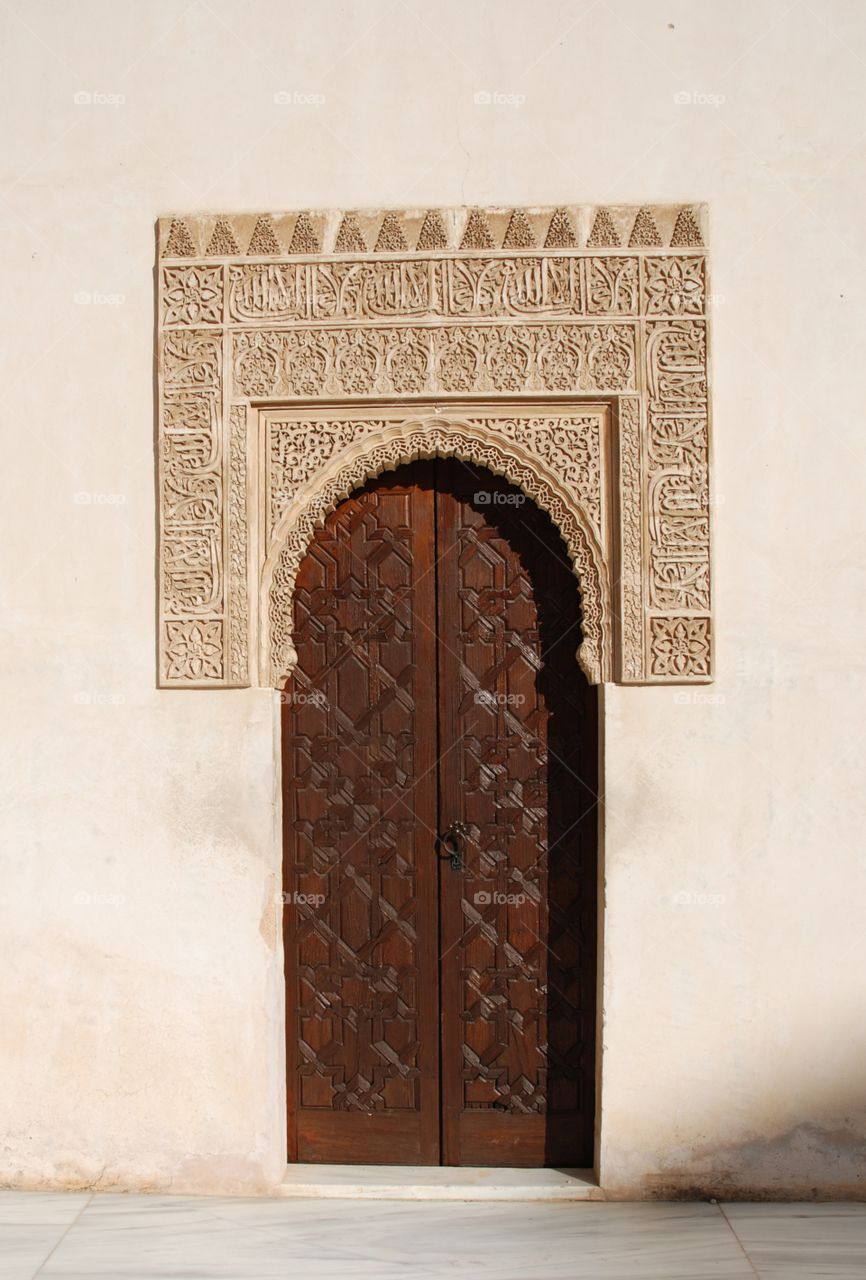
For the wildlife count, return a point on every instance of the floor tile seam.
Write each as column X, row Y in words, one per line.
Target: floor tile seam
column 59, row 1241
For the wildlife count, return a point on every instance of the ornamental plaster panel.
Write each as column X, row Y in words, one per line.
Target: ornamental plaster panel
column 566, row 349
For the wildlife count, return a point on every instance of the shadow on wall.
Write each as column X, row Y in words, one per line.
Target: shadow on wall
column 809, row 1161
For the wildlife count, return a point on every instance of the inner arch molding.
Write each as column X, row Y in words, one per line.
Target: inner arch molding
column 431, row 438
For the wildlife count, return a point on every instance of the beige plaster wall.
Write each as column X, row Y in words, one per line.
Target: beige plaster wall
column 140, row 1008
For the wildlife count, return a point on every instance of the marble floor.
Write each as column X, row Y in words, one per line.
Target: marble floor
column 435, row 1182
column 125, row 1237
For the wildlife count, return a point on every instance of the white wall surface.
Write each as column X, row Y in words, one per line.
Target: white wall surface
column 140, row 1007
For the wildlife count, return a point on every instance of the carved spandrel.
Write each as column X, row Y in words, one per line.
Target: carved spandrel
column 297, row 449
column 569, row 445
column 447, row 440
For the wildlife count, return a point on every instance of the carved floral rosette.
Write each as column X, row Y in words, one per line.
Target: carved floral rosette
column 300, row 354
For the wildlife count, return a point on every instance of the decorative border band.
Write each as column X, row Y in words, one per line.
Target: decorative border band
column 455, row 230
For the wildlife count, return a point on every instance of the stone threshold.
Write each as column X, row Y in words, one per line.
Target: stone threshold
column 425, row 1182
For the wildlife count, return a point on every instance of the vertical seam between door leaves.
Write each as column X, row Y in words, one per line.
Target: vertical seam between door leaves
column 439, row 820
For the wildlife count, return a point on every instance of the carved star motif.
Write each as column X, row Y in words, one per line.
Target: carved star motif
column 675, row 286
column 195, row 650
column 680, row 647
column 192, row 295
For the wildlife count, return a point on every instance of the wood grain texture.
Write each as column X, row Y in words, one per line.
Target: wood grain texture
column 360, row 826
column 413, row 985
column 518, row 767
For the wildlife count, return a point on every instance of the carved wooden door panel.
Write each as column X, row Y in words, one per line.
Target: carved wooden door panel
column 359, row 811
column 517, row 766
column 439, row 1008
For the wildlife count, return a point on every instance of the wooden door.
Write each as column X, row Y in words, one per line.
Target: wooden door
column 440, row 991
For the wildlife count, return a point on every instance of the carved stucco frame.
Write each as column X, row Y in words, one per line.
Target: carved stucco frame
column 548, row 330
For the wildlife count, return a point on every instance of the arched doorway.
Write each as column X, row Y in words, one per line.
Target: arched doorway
column 440, row 833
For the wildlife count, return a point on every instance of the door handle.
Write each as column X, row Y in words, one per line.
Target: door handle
column 451, row 845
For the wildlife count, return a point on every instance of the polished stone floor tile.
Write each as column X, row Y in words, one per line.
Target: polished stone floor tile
column 23, row 1249
column 41, row 1207
column 123, row 1237
column 802, row 1241
column 520, row 1240
column 31, row 1226
column 325, row 1240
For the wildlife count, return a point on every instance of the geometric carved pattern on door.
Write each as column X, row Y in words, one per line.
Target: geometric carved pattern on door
column 413, row 585
column 576, row 305
column 519, row 762
column 360, row 814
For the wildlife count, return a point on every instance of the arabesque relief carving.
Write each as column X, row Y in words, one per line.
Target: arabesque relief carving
column 270, row 364
column 555, row 459
column 566, row 349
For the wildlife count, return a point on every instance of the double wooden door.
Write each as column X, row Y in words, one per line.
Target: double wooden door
column 439, row 749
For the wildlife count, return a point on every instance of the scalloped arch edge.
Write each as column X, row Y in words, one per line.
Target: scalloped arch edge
column 418, row 438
